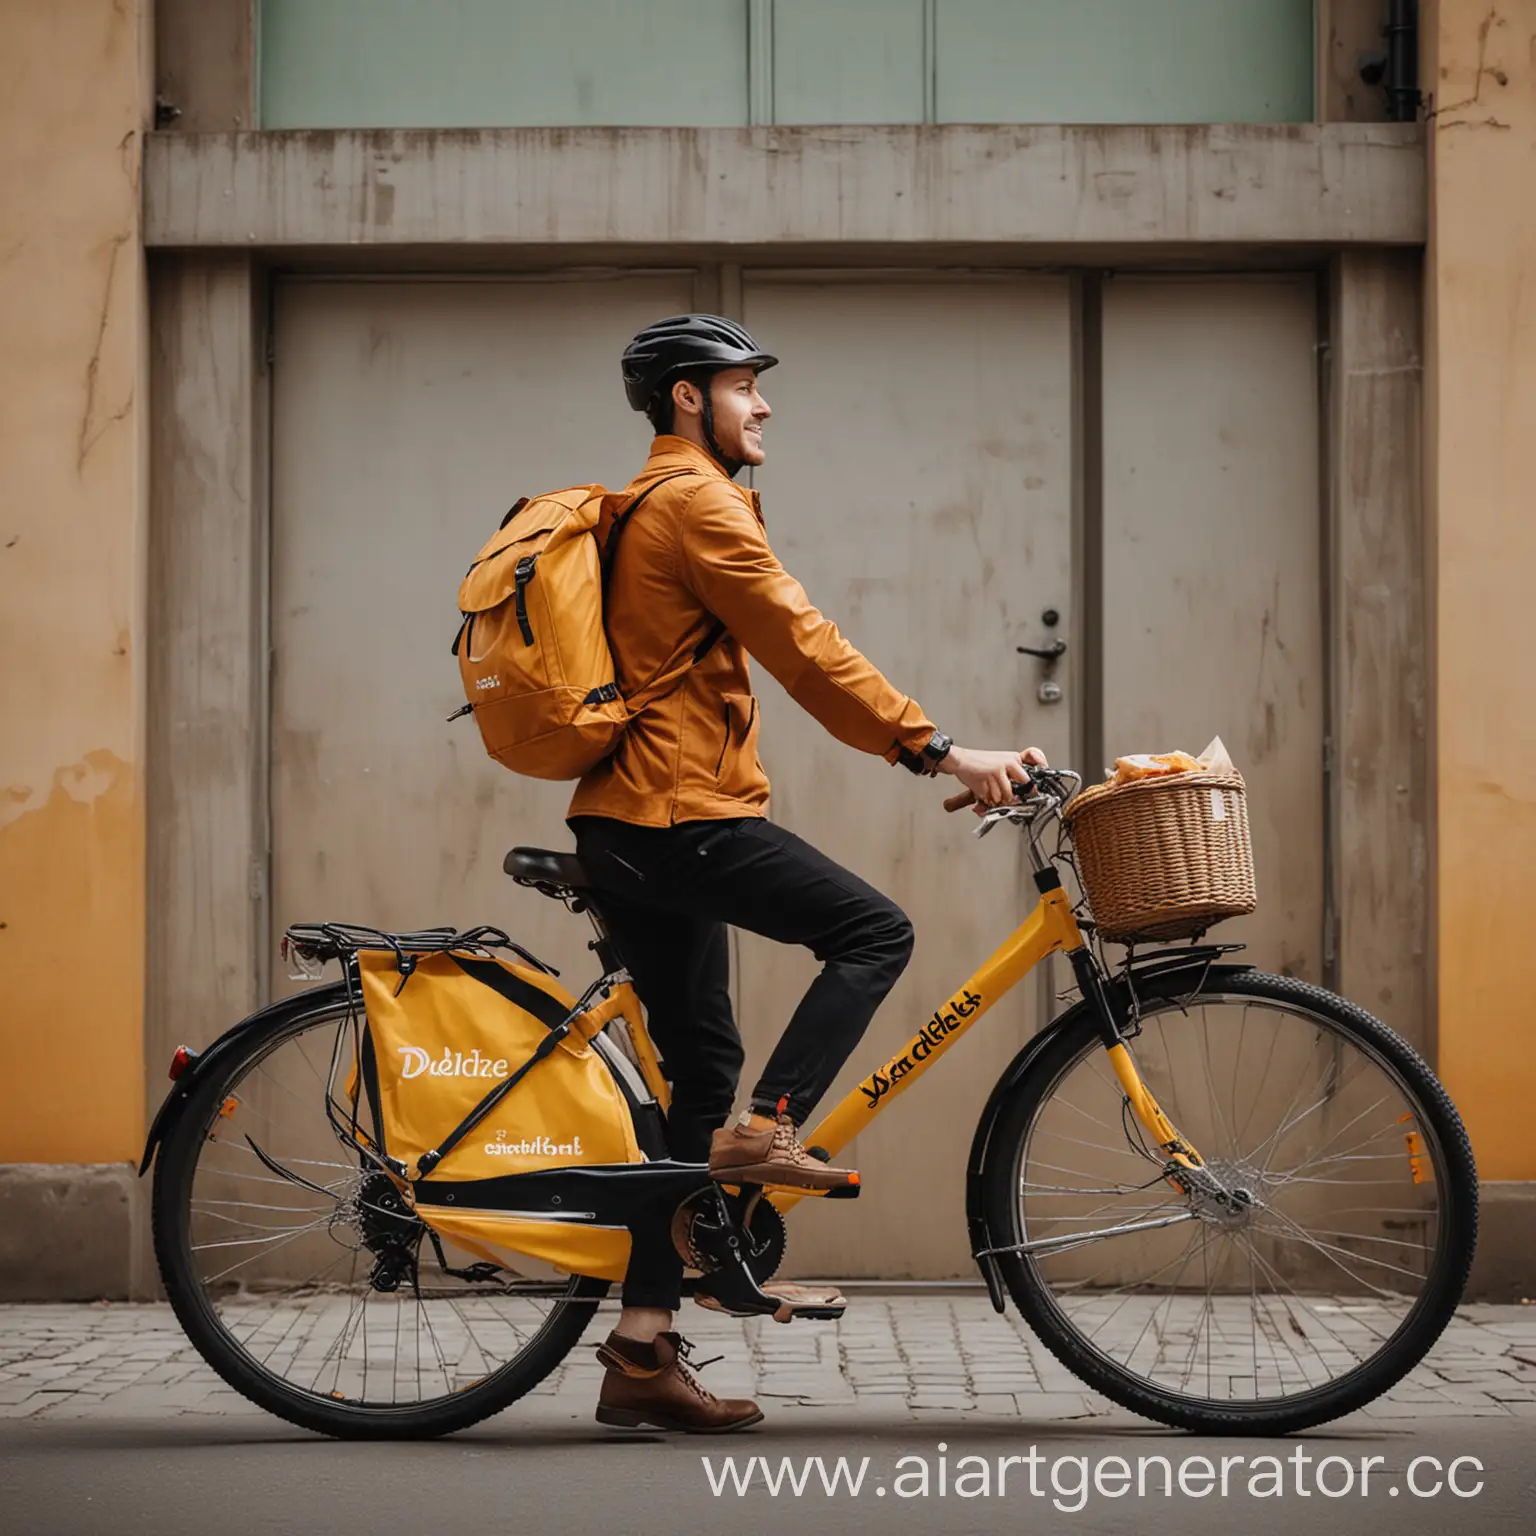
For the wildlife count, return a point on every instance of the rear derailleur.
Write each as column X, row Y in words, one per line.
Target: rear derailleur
column 392, row 1233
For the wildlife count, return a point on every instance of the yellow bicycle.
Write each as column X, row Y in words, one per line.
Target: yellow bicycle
column 1230, row 1201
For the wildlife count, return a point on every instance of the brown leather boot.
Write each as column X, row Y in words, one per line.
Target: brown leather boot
column 739, row 1153
column 651, row 1384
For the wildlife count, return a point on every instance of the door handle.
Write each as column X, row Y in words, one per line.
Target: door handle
column 1049, row 654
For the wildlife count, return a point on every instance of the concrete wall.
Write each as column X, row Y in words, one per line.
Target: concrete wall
column 791, row 188
column 1380, row 752
column 1481, row 425
column 73, row 89
column 205, row 63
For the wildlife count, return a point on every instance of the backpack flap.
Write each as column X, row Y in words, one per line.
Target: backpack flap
column 561, row 515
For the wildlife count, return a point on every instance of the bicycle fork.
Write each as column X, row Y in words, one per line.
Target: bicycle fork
column 1183, row 1167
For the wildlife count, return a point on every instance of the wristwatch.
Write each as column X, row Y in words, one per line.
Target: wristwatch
column 927, row 761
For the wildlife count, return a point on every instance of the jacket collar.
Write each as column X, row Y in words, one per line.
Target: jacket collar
column 670, row 453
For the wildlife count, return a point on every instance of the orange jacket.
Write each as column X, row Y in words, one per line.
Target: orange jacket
column 696, row 551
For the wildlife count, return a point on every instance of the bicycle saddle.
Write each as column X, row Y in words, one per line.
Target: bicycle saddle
column 543, row 867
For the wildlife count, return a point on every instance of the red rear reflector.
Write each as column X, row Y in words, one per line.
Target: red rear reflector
column 180, row 1062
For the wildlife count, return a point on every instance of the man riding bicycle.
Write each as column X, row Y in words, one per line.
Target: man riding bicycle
column 672, row 827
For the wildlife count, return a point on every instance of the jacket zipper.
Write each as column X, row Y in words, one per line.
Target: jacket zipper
column 522, row 575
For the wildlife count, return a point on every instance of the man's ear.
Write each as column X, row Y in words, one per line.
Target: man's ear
column 687, row 398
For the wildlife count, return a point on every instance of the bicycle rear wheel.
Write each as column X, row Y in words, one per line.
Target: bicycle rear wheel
column 1318, row 1288
column 304, row 1280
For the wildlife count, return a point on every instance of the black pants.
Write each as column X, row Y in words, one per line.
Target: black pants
column 667, row 895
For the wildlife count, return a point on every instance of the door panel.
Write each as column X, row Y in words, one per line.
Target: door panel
column 1212, row 546
column 407, row 418
column 919, row 483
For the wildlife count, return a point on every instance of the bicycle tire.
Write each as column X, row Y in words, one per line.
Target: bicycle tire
column 171, row 1220
column 1418, row 1331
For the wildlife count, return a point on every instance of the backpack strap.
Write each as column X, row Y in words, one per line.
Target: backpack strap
column 713, row 635
column 621, row 518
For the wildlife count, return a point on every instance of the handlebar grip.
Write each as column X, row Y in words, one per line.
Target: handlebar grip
column 960, row 801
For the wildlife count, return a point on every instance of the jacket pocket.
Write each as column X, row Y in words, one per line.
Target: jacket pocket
column 737, row 731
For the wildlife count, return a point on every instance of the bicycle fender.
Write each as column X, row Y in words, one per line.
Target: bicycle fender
column 206, row 1060
column 1118, row 993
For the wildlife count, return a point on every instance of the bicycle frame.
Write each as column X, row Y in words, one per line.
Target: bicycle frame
column 1049, row 929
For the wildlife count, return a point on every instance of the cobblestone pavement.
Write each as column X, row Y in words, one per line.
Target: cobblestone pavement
column 892, row 1356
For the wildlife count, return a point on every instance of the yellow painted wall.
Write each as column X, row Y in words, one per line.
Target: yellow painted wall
column 1481, row 296
column 74, row 82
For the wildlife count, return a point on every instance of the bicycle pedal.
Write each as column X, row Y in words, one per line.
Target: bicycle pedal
column 800, row 1192
column 811, row 1314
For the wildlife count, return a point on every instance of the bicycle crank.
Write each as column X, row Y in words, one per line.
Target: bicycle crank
column 700, row 1240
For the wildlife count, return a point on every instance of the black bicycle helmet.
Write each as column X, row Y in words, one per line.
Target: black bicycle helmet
column 680, row 345
column 689, row 346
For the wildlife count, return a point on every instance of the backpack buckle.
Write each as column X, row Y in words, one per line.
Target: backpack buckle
column 522, row 574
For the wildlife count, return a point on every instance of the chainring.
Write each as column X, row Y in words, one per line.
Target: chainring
column 766, row 1236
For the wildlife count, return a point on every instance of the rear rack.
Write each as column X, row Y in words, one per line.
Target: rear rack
column 312, row 944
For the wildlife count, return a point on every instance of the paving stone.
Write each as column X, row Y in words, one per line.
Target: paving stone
column 890, row 1356
column 1058, row 1405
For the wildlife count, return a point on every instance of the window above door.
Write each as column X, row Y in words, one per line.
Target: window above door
column 723, row 63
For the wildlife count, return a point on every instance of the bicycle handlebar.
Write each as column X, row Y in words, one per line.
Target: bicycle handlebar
column 1041, row 781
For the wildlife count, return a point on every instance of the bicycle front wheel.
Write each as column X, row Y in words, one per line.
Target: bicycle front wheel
column 308, row 1284
column 1318, row 1286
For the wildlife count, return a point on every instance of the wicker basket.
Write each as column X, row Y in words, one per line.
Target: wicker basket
column 1164, row 858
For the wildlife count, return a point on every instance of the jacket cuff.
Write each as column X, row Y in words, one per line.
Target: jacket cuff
column 909, row 751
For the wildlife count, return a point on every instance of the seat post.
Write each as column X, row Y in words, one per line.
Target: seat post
column 602, row 944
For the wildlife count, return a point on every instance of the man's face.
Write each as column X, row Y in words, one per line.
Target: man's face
column 739, row 412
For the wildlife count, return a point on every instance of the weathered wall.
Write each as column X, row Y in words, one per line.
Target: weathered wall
column 1345, row 30
column 1381, row 746
column 1482, row 423
column 205, row 63
column 73, row 83
column 1024, row 187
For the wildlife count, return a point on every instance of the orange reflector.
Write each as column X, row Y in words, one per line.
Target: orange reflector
column 228, row 1107
column 853, row 1178
column 1415, row 1156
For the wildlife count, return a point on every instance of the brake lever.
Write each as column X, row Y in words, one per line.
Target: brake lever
column 1000, row 813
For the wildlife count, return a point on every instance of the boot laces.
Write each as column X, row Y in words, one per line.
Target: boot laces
column 685, row 1365
column 786, row 1141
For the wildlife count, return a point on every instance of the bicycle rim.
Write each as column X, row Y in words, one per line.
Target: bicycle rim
column 1328, row 1277
column 310, row 1286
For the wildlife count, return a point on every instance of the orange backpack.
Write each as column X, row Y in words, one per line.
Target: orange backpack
column 533, row 654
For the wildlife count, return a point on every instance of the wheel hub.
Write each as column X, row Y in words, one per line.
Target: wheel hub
column 1223, row 1193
